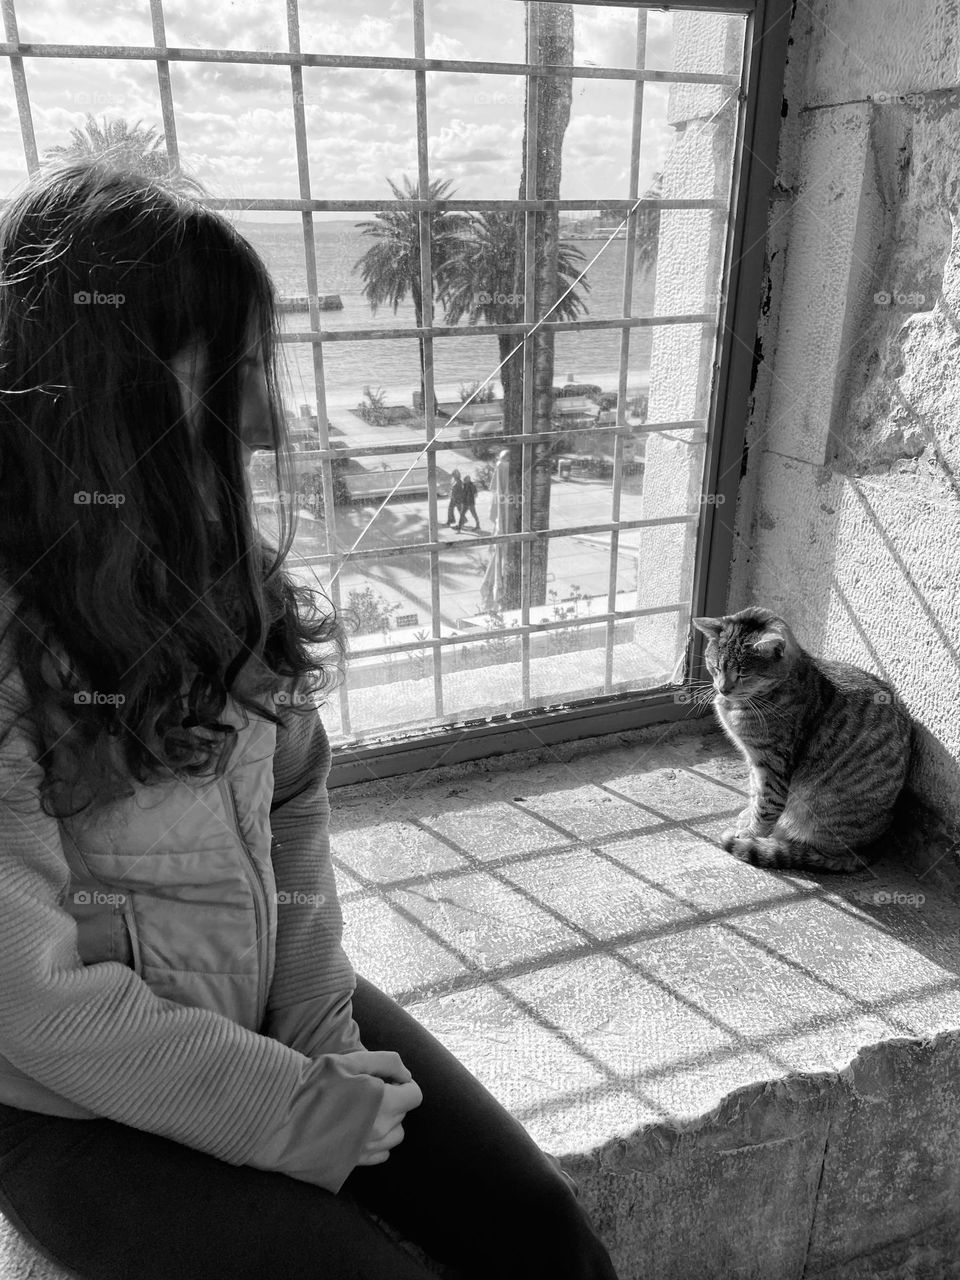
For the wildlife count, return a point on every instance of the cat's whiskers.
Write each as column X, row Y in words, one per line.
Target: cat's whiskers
column 701, row 693
column 748, row 702
column 772, row 709
column 765, row 710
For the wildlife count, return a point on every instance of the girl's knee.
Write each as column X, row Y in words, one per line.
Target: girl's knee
column 562, row 1240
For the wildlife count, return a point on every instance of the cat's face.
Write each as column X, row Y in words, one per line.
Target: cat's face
column 747, row 653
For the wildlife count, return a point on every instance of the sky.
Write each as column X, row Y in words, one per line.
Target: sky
column 235, row 122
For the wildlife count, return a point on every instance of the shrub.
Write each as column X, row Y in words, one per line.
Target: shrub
column 484, row 394
column 311, row 483
column 368, row 611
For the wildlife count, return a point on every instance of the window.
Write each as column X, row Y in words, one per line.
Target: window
column 519, row 243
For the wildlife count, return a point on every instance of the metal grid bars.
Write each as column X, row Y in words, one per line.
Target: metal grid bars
column 625, row 210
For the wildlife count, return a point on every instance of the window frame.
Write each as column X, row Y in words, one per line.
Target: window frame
column 766, row 42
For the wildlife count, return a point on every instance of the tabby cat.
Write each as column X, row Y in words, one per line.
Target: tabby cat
column 828, row 745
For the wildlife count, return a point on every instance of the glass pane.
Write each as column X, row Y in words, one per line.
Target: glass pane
column 596, row 141
column 372, row 385
column 606, row 36
column 660, row 44
column 475, row 133
column 385, row 691
column 376, row 27
column 243, row 24
column 491, row 32
column 65, row 92
column 235, row 128
column 361, row 132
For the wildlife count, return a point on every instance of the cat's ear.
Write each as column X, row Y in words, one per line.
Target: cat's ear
column 709, row 626
column 770, row 645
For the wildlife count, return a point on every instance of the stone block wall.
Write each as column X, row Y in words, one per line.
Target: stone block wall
column 848, row 519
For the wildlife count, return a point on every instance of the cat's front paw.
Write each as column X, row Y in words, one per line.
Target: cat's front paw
column 744, row 826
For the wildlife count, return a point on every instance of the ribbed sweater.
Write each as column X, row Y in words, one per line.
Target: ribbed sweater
column 287, row 1098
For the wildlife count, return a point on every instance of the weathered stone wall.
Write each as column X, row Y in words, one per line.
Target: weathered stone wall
column 848, row 519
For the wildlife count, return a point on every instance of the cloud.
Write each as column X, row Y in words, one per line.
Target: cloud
column 335, row 28
column 240, row 24
column 103, row 22
column 442, row 45
column 204, row 83
column 492, row 31
column 482, row 159
column 477, row 155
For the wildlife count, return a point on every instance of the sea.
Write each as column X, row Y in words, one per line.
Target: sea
column 393, row 364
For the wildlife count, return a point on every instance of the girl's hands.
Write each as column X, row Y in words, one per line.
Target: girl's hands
column 383, row 1064
column 387, row 1131
column 401, row 1094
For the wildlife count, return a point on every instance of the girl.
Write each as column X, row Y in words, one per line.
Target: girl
column 193, row 1081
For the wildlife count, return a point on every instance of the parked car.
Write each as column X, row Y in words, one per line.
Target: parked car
column 477, row 432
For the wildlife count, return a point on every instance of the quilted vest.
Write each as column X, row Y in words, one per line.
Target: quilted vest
column 177, row 882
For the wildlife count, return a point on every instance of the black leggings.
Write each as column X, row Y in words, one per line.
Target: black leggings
column 467, row 1184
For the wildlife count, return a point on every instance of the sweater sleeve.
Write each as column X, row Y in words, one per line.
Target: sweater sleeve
column 309, row 1006
column 98, row 1036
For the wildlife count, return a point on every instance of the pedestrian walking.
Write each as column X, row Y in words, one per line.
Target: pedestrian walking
column 468, row 503
column 456, row 496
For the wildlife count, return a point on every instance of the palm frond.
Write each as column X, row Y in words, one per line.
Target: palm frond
column 132, row 146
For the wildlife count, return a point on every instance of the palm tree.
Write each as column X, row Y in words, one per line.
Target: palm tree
column 390, row 268
column 554, row 97
column 481, row 281
column 496, row 255
column 137, row 148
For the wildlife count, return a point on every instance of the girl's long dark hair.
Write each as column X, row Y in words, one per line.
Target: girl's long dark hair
column 127, row 592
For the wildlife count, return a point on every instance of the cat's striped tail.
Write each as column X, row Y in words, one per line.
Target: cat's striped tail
column 784, row 852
